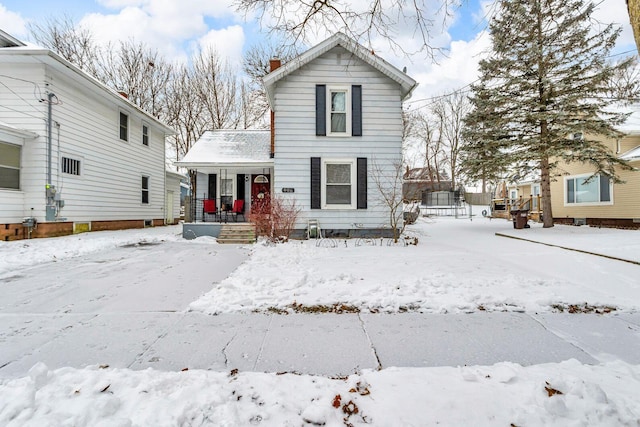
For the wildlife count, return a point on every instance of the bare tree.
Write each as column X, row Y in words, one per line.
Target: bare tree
column 138, row 71
column 73, row 43
column 427, row 131
column 363, row 21
column 388, row 181
column 624, row 83
column 215, row 84
column 450, row 111
column 256, row 65
column 183, row 111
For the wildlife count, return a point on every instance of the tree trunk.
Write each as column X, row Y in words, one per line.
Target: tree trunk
column 545, row 188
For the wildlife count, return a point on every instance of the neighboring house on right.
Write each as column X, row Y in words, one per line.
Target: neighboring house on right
column 600, row 202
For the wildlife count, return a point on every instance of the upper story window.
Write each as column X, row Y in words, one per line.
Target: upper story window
column 9, row 166
column 339, row 111
column 145, row 135
column 124, row 126
column 70, row 166
column 595, row 191
column 145, row 190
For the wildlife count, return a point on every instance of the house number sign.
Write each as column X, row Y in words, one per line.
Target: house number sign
column 288, row 190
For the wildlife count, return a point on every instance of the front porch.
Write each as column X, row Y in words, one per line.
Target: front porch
column 502, row 207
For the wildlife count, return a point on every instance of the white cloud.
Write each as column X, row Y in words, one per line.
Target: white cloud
column 164, row 25
column 12, row 23
column 227, row 42
column 458, row 69
column 616, row 12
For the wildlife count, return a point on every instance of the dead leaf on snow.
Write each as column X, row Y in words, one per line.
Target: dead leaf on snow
column 550, row 390
column 336, row 401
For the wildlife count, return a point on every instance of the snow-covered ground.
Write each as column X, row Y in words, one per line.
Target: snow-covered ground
column 457, row 266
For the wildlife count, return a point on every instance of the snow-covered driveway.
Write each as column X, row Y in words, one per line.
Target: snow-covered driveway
column 136, row 300
column 82, row 318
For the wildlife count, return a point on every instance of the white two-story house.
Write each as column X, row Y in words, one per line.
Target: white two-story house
column 337, row 131
column 336, row 140
column 74, row 154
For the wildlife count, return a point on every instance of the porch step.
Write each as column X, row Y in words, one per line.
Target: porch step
column 244, row 233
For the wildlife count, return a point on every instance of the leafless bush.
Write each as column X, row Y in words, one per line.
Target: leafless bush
column 275, row 219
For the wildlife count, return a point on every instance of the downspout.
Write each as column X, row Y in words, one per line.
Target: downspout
column 50, row 189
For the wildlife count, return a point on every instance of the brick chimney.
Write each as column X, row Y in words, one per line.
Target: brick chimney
column 274, row 64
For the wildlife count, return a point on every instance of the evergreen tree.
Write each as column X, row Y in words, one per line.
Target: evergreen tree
column 545, row 80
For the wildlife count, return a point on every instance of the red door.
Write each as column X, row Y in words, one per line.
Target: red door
column 260, row 193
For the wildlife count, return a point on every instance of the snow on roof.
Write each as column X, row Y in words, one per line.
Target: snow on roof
column 631, row 155
column 229, row 147
column 7, row 128
column 632, row 125
column 7, row 40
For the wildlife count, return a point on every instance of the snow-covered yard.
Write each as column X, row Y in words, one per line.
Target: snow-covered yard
column 458, row 266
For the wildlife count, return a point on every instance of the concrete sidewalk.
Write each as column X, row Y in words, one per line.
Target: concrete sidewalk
column 322, row 344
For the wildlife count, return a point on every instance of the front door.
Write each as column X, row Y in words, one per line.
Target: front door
column 260, row 193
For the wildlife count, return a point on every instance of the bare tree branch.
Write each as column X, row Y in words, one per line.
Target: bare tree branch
column 300, row 20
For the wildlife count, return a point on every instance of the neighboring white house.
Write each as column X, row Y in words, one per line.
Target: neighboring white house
column 74, row 154
column 336, row 134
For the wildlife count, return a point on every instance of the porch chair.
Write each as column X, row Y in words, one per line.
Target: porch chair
column 209, row 208
column 238, row 209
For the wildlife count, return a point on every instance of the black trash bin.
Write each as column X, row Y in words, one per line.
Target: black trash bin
column 520, row 218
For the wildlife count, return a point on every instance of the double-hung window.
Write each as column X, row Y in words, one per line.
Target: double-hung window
column 124, row 126
column 586, row 189
column 145, row 190
column 339, row 184
column 9, row 166
column 339, row 114
column 338, row 110
column 145, row 135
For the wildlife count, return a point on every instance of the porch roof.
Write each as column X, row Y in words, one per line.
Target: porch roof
column 231, row 147
column 631, row 155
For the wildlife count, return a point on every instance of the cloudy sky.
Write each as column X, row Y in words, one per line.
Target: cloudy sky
column 178, row 28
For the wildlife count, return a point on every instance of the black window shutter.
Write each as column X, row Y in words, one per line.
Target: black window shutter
column 362, row 183
column 315, row 182
column 321, row 110
column 356, row 110
column 240, row 186
column 212, row 186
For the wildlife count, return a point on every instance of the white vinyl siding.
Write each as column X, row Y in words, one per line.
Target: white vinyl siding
column 296, row 140
column 87, row 119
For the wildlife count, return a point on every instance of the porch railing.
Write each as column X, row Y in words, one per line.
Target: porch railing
column 197, row 214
